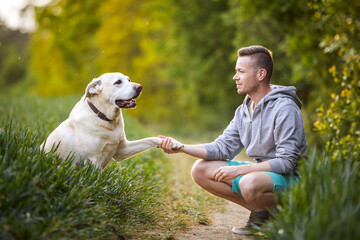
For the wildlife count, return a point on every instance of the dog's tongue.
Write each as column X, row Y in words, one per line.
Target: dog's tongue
column 126, row 103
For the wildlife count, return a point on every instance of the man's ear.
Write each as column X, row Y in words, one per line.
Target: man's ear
column 261, row 74
column 94, row 87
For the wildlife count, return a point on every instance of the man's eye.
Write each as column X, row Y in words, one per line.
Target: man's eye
column 118, row 82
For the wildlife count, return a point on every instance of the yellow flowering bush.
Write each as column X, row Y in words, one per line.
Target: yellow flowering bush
column 340, row 122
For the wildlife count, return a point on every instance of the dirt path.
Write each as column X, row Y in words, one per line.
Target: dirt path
column 220, row 228
column 221, row 222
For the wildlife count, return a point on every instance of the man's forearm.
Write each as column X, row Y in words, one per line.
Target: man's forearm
column 198, row 151
column 257, row 167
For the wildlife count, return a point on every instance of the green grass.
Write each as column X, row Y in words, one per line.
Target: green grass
column 325, row 205
column 45, row 197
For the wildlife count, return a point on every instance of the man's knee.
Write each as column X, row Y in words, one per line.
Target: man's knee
column 198, row 170
column 254, row 185
column 248, row 187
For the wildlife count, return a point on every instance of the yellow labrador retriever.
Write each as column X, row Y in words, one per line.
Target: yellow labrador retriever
column 94, row 130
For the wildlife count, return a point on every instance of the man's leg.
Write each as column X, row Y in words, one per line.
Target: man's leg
column 257, row 189
column 202, row 173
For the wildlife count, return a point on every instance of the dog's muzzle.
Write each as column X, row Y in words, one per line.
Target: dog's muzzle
column 130, row 103
column 126, row 103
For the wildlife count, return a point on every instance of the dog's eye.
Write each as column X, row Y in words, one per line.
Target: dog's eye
column 118, row 82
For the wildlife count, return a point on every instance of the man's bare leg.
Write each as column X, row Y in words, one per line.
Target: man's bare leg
column 202, row 173
column 256, row 187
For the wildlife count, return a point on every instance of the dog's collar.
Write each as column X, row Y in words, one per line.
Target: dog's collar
column 96, row 111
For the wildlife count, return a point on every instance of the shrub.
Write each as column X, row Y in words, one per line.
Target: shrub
column 325, row 205
column 339, row 124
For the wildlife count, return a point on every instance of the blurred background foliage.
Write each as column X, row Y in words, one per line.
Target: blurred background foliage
column 183, row 53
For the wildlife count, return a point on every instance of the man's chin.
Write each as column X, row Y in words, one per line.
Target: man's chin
column 239, row 91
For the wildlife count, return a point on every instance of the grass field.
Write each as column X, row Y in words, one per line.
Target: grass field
column 44, row 197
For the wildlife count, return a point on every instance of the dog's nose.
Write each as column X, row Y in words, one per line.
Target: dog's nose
column 138, row 88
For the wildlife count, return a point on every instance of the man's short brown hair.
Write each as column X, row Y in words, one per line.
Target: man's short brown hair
column 262, row 56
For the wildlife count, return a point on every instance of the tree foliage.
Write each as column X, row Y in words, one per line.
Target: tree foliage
column 135, row 41
column 205, row 60
column 13, row 57
column 340, row 122
column 183, row 52
column 63, row 47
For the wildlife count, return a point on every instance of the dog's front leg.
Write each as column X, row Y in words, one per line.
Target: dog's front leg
column 128, row 149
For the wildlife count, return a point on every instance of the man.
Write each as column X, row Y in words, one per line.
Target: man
column 269, row 126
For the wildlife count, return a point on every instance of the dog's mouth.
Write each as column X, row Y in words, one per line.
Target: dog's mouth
column 126, row 103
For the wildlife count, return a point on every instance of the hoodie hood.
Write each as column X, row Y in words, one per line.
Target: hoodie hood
column 285, row 92
column 278, row 92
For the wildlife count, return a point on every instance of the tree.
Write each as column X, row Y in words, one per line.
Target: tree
column 13, row 57
column 339, row 123
column 63, row 48
column 204, row 61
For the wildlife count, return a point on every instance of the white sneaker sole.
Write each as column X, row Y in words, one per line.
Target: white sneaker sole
column 241, row 231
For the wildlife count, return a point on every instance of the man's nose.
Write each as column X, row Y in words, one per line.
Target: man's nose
column 236, row 77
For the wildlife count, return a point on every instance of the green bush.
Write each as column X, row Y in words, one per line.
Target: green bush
column 339, row 123
column 325, row 205
column 45, row 197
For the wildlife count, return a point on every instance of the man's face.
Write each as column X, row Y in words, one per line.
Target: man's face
column 245, row 76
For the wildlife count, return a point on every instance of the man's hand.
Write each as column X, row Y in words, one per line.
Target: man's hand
column 170, row 145
column 226, row 173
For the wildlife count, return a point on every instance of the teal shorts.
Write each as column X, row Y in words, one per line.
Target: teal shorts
column 281, row 182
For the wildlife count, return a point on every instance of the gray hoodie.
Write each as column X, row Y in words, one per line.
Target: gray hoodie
column 275, row 133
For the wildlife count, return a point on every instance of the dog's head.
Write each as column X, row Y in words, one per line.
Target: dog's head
column 115, row 88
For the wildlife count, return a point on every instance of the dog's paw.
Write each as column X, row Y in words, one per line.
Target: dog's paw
column 176, row 145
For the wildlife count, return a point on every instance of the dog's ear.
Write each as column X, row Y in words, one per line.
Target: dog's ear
column 94, row 87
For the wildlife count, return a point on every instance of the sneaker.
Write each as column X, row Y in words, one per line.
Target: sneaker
column 256, row 219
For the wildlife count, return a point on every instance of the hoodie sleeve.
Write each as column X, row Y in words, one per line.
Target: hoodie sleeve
column 289, row 136
column 227, row 145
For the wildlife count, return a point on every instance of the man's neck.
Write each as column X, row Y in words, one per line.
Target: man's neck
column 259, row 94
